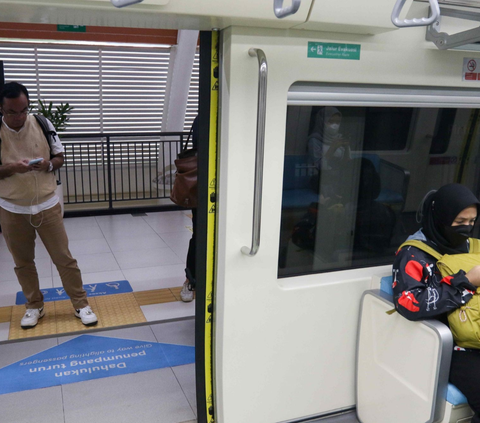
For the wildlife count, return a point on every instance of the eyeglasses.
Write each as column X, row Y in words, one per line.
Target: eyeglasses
column 22, row 113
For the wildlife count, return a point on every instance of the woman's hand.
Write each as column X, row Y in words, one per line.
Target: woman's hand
column 340, row 142
column 473, row 276
column 337, row 143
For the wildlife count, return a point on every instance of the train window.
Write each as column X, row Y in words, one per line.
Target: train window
column 373, row 128
column 386, row 129
column 354, row 176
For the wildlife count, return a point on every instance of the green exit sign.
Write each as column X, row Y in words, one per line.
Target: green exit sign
column 71, row 28
column 333, row 51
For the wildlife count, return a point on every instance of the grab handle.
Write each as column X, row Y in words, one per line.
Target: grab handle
column 259, row 151
column 435, row 8
column 283, row 12
column 124, row 3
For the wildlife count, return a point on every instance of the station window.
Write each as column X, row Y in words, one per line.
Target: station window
column 112, row 88
column 355, row 175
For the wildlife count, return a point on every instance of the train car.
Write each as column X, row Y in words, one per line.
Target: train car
column 300, row 220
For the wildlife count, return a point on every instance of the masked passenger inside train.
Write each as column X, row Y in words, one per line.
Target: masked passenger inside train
column 421, row 288
column 329, row 153
column 341, row 192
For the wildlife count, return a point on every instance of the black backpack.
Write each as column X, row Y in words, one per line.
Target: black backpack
column 49, row 135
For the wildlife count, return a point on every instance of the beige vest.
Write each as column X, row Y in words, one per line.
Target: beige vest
column 31, row 188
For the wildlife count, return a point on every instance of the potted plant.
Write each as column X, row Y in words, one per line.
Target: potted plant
column 58, row 116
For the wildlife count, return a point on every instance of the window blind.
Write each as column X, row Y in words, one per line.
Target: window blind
column 112, row 89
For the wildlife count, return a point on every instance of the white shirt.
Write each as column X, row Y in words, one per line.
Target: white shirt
column 56, row 148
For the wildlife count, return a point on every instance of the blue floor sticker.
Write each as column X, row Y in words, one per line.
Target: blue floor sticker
column 93, row 290
column 90, row 357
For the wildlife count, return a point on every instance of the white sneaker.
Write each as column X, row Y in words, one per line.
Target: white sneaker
column 87, row 315
column 31, row 317
column 185, row 294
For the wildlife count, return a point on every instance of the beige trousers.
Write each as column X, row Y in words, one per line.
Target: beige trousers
column 20, row 239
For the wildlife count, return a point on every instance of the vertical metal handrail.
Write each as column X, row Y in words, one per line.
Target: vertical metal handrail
column 109, row 175
column 259, row 151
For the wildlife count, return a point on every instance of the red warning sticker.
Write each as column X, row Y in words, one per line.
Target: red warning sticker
column 470, row 65
column 470, row 76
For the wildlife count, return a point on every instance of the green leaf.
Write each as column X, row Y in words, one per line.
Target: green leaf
column 59, row 117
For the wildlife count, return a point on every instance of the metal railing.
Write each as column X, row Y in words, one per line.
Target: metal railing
column 119, row 167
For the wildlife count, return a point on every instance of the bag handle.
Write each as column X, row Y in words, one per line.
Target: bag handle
column 188, row 140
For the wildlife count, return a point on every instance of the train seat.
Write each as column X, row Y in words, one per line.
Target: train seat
column 403, row 366
column 296, row 183
column 394, row 181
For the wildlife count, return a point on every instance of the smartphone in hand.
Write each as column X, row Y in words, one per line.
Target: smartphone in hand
column 35, row 161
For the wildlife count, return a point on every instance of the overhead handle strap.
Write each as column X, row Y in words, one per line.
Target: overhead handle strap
column 435, row 14
column 283, row 12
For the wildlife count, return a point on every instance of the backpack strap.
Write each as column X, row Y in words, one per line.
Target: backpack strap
column 49, row 134
column 422, row 246
column 474, row 245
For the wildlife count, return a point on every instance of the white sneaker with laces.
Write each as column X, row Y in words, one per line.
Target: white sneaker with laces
column 87, row 316
column 185, row 294
column 31, row 317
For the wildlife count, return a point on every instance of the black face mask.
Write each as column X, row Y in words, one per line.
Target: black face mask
column 456, row 235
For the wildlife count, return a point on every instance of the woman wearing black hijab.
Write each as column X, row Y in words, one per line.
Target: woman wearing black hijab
column 420, row 292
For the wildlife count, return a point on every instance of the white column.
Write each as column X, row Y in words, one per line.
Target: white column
column 178, row 83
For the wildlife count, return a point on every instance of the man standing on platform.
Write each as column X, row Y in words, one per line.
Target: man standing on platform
column 29, row 205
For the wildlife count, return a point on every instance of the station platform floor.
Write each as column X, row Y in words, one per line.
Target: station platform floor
column 149, row 252
column 164, row 395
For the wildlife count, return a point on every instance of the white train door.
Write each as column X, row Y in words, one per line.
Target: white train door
column 284, row 347
column 286, row 317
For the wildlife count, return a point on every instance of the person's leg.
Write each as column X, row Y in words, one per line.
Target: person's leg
column 186, row 293
column 191, row 255
column 54, row 237
column 465, row 374
column 20, row 237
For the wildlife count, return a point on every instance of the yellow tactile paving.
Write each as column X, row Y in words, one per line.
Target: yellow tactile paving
column 119, row 310
column 155, row 296
column 66, row 320
column 176, row 292
column 111, row 310
column 5, row 314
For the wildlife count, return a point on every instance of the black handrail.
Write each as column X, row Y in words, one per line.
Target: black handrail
column 122, row 134
column 119, row 169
